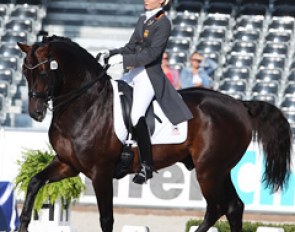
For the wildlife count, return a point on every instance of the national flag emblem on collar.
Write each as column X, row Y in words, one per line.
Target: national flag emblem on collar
column 146, row 33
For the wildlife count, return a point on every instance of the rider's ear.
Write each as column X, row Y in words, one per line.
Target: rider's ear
column 24, row 47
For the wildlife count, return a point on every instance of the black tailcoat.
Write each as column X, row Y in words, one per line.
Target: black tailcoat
column 145, row 49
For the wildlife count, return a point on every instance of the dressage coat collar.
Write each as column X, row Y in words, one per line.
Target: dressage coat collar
column 151, row 13
column 149, row 21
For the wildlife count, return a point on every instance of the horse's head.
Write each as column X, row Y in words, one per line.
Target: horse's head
column 36, row 68
column 55, row 68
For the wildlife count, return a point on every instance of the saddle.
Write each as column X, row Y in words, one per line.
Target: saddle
column 126, row 98
column 126, row 157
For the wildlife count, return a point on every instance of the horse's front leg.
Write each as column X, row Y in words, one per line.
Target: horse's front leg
column 55, row 171
column 103, row 186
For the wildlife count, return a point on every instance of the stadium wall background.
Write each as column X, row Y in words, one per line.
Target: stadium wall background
column 173, row 187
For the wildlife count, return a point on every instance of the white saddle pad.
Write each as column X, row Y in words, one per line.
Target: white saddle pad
column 165, row 132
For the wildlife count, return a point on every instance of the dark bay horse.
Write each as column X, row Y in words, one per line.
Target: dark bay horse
column 82, row 133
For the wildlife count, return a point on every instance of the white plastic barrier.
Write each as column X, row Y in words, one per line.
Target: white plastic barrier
column 56, row 219
column 194, row 228
column 128, row 228
column 269, row 229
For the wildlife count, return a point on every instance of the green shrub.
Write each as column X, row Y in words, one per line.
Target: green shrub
column 34, row 161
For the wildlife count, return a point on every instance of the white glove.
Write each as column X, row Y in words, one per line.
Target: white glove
column 102, row 55
column 115, row 60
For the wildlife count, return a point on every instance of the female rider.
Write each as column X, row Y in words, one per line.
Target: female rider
column 142, row 56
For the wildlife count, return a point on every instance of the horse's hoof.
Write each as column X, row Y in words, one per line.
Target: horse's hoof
column 23, row 229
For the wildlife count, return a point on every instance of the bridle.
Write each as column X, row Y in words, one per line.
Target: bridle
column 65, row 98
column 37, row 65
column 35, row 94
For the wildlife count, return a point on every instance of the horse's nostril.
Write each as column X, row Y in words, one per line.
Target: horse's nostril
column 39, row 115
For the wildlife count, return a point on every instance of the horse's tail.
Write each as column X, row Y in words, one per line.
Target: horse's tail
column 274, row 132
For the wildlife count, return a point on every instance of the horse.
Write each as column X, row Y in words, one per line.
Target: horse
column 82, row 133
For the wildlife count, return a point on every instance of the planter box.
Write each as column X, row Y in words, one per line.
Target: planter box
column 51, row 218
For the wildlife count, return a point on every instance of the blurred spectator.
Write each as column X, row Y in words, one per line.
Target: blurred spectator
column 199, row 72
column 171, row 73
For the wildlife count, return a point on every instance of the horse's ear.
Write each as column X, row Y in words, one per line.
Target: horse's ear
column 24, row 47
column 44, row 38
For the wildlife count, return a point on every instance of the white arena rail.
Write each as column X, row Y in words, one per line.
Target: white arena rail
column 128, row 228
column 269, row 229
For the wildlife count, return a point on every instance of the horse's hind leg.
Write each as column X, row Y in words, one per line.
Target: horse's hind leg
column 210, row 183
column 55, row 171
column 235, row 206
column 222, row 199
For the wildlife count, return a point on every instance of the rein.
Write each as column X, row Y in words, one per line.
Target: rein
column 76, row 93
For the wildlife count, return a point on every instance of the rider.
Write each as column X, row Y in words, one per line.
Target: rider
column 142, row 56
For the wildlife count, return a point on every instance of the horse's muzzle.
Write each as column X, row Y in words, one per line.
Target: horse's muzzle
column 38, row 115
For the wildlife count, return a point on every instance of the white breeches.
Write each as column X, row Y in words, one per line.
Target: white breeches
column 143, row 92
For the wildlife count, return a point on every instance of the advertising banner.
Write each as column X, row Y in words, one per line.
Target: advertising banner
column 172, row 187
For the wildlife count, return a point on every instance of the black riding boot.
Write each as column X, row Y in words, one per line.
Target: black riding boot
column 145, row 152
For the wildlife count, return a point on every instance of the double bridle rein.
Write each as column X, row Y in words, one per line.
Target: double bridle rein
column 65, row 98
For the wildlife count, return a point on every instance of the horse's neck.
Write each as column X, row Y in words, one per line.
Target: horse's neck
column 96, row 102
